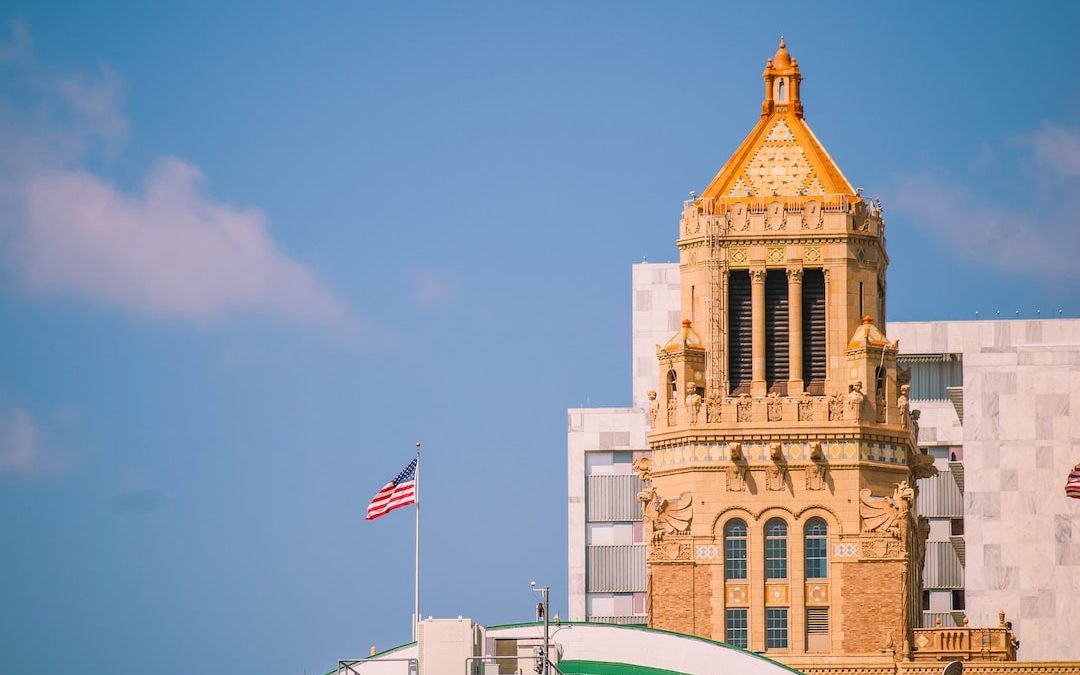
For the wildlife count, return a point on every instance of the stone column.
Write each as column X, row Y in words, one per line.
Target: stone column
column 757, row 324
column 721, row 307
column 795, row 332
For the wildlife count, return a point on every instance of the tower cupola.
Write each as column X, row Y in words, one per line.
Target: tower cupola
column 782, row 78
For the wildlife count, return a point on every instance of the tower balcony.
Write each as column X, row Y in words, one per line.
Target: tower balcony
column 733, row 217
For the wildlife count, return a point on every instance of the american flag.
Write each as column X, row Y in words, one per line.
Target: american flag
column 397, row 493
column 1072, row 485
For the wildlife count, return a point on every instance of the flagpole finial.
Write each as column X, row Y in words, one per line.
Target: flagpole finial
column 418, row 445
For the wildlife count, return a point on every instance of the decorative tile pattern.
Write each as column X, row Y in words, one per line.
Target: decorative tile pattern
column 737, row 595
column 776, row 594
column 775, row 254
column 707, row 552
column 845, row 550
column 884, row 453
column 780, row 132
column 817, row 593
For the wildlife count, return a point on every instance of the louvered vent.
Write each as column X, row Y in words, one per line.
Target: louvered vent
column 776, row 331
column 817, row 620
column 740, row 334
column 813, row 301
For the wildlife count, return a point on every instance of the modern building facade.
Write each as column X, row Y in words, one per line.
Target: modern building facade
column 775, row 455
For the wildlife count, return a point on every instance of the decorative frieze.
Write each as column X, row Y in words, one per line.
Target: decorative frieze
column 792, row 451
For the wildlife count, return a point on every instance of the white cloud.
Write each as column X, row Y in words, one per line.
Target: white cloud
column 980, row 217
column 166, row 250
column 20, row 450
column 96, row 101
column 1057, row 148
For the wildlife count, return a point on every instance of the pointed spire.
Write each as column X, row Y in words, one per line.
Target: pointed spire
column 782, row 59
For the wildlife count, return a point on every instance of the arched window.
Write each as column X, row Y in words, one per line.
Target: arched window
column 673, row 383
column 780, row 98
column 735, row 550
column 776, row 549
column 817, row 549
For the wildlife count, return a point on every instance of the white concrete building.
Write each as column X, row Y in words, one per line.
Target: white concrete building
column 1016, row 429
column 1000, row 411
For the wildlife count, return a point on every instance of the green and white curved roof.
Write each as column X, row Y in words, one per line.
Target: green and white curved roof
column 608, row 649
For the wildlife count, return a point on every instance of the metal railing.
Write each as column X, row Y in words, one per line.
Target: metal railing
column 829, row 203
column 474, row 664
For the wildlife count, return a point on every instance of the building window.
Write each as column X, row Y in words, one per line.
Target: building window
column 817, row 547
column 776, row 331
column 957, row 527
column 813, row 311
column 957, row 600
column 735, row 632
column 740, row 331
column 776, row 549
column 776, row 628
column 926, row 601
column 735, row 550
column 673, row 384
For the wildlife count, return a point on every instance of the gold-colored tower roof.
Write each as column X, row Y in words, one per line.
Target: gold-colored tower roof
column 781, row 156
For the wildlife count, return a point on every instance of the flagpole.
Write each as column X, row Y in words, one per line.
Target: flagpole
column 416, row 596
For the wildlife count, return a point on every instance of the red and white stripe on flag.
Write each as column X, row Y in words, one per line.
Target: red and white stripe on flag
column 1072, row 486
column 397, row 493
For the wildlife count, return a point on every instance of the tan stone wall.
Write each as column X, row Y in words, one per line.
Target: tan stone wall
column 673, row 593
column 871, row 594
column 703, row 594
column 868, row 667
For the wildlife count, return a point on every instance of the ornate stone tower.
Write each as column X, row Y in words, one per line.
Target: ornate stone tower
column 780, row 514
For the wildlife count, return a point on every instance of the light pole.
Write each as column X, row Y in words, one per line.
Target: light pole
column 543, row 607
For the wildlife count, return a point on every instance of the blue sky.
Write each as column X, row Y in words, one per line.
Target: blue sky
column 251, row 253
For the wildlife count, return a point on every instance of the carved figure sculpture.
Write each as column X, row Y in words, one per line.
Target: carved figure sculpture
column 693, row 403
column 744, row 409
column 712, row 408
column 775, row 473
column 736, row 473
column 816, row 452
column 663, row 516
column 855, row 398
column 904, row 406
column 654, row 408
column 671, row 411
column 774, row 477
column 922, row 466
column 643, row 466
column 836, row 407
column 915, row 414
column 775, row 408
column 884, row 514
column 806, row 408
column 815, row 476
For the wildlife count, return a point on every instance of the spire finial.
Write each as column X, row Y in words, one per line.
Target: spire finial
column 782, row 45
